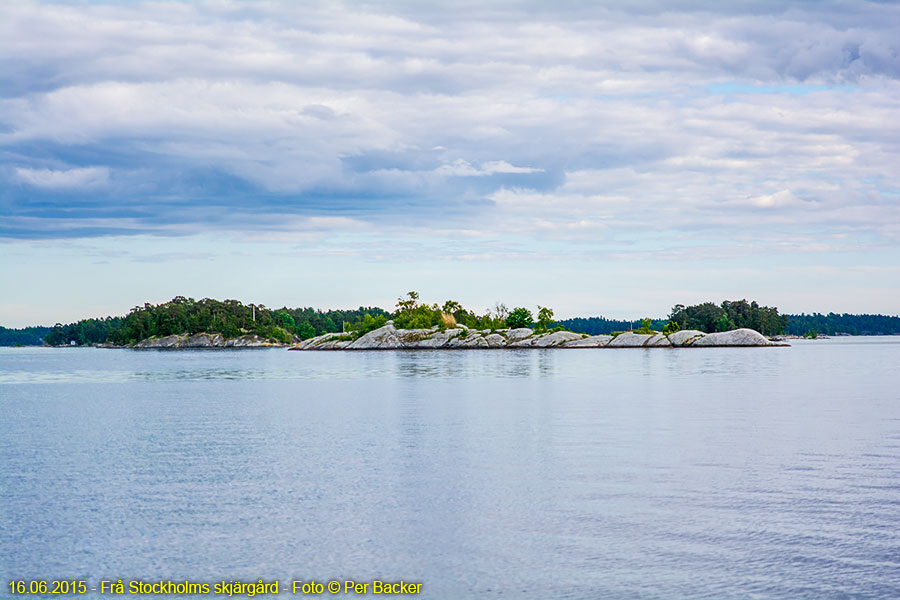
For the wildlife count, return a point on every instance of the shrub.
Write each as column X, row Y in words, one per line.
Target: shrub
column 545, row 315
column 367, row 324
column 519, row 317
column 645, row 327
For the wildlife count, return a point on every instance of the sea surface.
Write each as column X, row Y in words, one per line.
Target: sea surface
column 594, row 473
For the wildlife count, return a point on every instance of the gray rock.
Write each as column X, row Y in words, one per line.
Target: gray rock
column 474, row 340
column 557, row 338
column 685, row 337
column 438, row 339
column 410, row 337
column 517, row 335
column 383, row 338
column 736, row 337
column 387, row 337
column 658, row 340
column 630, row 340
column 495, row 340
column 593, row 341
column 203, row 341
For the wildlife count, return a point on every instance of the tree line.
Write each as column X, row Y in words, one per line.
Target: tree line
column 835, row 324
column 707, row 317
column 232, row 318
column 26, row 336
column 604, row 326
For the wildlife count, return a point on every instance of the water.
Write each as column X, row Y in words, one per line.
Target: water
column 632, row 473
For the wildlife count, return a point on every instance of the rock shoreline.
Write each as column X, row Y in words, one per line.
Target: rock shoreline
column 200, row 341
column 390, row 338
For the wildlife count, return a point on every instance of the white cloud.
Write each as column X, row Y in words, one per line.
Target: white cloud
column 86, row 177
column 462, row 168
column 574, row 131
column 777, row 200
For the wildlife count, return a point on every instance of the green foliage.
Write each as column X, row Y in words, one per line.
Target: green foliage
column 411, row 314
column 843, row 324
column 367, row 323
column 603, row 326
column 723, row 323
column 646, row 326
column 670, row 328
column 280, row 334
column 27, row 336
column 305, row 331
column 451, row 306
column 710, row 317
column 811, row 334
column 286, row 320
column 86, row 331
column 188, row 316
column 519, row 317
column 544, row 317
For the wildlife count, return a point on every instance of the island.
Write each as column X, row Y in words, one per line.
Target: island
column 461, row 337
column 185, row 323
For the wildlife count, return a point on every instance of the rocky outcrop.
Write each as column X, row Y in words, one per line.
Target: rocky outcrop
column 629, row 340
column 736, row 337
column 204, row 341
column 389, row 338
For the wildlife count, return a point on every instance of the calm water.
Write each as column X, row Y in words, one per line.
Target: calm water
column 705, row 473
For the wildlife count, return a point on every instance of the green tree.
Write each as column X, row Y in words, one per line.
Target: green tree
column 519, row 317
column 286, row 320
column 723, row 323
column 670, row 328
column 544, row 318
column 646, row 326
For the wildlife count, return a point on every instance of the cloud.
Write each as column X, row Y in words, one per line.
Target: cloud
column 582, row 123
column 462, row 168
column 87, row 177
column 777, row 200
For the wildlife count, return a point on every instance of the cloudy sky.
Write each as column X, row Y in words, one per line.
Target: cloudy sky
column 599, row 159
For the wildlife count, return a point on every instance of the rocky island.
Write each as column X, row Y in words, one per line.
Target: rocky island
column 185, row 323
column 460, row 337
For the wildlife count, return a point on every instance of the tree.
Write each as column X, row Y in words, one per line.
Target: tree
column 723, row 323
column 545, row 316
column 287, row 321
column 519, row 317
column 408, row 304
column 500, row 311
column 646, row 325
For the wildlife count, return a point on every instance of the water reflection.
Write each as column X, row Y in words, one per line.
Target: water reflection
column 459, row 364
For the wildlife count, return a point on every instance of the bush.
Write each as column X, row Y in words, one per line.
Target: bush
column 645, row 327
column 367, row 323
column 671, row 327
column 519, row 317
column 545, row 315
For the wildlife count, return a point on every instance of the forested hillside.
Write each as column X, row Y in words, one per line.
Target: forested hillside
column 27, row 336
column 231, row 318
column 835, row 324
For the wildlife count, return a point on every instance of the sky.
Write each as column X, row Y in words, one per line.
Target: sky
column 599, row 158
